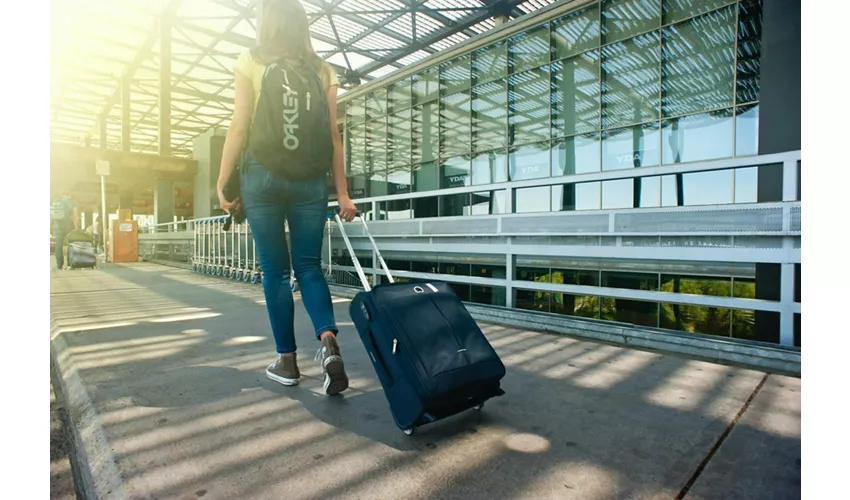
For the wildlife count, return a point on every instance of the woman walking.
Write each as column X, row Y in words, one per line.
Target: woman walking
column 284, row 91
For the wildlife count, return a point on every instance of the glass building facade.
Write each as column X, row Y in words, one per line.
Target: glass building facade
column 608, row 86
column 613, row 85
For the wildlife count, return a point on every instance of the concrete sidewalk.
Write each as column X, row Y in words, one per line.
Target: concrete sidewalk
column 163, row 373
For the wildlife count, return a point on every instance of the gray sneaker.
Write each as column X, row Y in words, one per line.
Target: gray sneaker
column 336, row 380
column 284, row 370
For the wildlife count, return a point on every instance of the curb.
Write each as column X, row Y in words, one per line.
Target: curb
column 95, row 472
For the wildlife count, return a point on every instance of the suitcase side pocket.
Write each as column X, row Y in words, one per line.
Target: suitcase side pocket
column 377, row 358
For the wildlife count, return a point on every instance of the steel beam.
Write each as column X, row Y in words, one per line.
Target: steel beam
column 143, row 53
column 438, row 35
column 165, row 84
column 125, row 114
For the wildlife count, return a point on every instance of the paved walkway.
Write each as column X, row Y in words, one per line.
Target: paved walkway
column 164, row 374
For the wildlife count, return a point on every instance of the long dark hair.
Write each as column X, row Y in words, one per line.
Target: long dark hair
column 284, row 33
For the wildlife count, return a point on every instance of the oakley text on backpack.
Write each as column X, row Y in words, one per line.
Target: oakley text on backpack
column 291, row 130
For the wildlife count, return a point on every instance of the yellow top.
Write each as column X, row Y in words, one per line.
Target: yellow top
column 254, row 70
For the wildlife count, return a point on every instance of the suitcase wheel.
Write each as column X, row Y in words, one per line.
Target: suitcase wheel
column 409, row 432
column 479, row 407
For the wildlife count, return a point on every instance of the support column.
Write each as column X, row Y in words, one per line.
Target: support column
column 779, row 131
column 510, row 272
column 206, row 149
column 163, row 200
column 126, row 140
column 125, row 202
column 165, row 85
column 102, row 138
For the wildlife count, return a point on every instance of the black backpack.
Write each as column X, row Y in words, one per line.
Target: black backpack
column 291, row 130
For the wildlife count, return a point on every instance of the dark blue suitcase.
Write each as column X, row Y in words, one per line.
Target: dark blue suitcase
column 431, row 357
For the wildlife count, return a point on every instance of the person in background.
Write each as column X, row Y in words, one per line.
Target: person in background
column 94, row 231
column 65, row 216
column 271, row 200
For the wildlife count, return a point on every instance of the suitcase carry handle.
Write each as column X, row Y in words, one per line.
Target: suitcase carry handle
column 354, row 258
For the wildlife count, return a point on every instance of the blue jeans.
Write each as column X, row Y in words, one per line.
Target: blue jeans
column 60, row 231
column 269, row 201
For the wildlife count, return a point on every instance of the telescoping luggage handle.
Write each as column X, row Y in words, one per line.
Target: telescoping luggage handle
column 354, row 258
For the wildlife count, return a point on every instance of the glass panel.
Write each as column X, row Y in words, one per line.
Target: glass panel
column 397, row 209
column 706, row 136
column 489, row 203
column 455, row 205
column 426, row 86
column 630, row 147
column 744, row 288
column 425, row 207
column 497, row 272
column 355, row 150
column 400, row 95
column 583, row 306
column 576, row 32
column 575, row 155
column 378, row 183
column 357, row 186
column 747, row 130
column 455, row 172
column 491, row 167
column 376, row 104
column 531, row 300
column 625, row 18
column 648, row 191
column 398, row 139
column 630, row 280
column 744, row 324
column 587, row 195
column 699, row 64
column 355, row 111
column 529, row 162
column 670, row 190
column 376, row 156
column 462, row 291
column 490, row 116
column 398, row 180
column 696, row 285
column 529, row 200
column 425, row 136
column 798, row 278
column 696, row 319
column 455, row 127
column 575, row 95
column 575, row 277
column 749, row 50
column 454, row 268
column 746, row 185
column 540, row 275
column 456, row 75
column 618, row 194
column 425, row 267
column 707, row 188
column 798, row 326
column 425, row 177
column 676, row 10
column 631, row 81
column 489, row 295
column 529, row 49
column 630, row 311
column 528, row 98
column 490, row 63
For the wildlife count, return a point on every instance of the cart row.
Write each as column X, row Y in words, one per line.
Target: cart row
column 229, row 252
